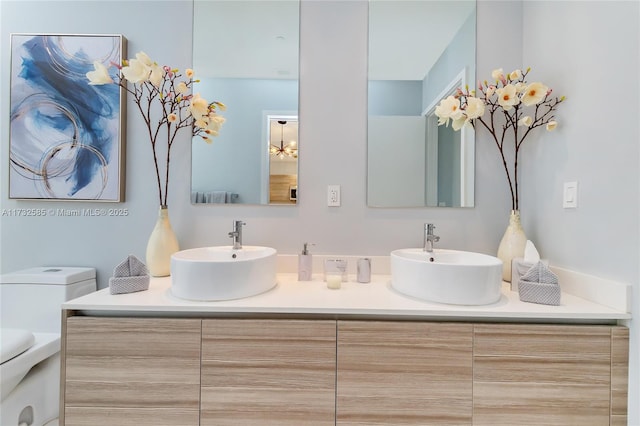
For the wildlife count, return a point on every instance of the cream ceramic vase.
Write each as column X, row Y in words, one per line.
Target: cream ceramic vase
column 162, row 244
column 512, row 244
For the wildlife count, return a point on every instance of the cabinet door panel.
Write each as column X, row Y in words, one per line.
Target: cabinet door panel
column 119, row 367
column 541, row 375
column 404, row 373
column 619, row 375
column 268, row 372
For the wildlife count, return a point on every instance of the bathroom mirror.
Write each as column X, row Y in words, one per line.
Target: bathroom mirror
column 245, row 54
column 419, row 52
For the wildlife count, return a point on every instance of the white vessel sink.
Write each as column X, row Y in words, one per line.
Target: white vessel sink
column 447, row 276
column 222, row 273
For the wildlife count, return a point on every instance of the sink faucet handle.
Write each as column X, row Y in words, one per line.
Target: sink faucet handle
column 429, row 237
column 236, row 234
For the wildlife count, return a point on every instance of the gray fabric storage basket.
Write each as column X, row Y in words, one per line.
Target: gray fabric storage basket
column 539, row 285
column 120, row 285
column 542, row 293
column 129, row 276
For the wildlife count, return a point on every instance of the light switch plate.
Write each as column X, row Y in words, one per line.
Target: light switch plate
column 570, row 195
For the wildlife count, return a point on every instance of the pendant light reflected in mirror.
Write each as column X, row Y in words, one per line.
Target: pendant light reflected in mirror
column 289, row 150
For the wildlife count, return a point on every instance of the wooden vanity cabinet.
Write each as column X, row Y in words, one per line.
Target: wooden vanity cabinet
column 404, row 373
column 549, row 375
column 169, row 371
column 131, row 372
column 268, row 372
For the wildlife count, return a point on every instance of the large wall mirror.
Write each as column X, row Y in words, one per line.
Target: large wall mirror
column 245, row 54
column 419, row 52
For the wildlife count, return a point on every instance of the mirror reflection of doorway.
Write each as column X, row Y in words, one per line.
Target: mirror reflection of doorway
column 283, row 159
column 449, row 157
column 443, row 164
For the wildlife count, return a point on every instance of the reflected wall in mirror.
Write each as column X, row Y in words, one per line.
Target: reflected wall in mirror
column 419, row 52
column 245, row 54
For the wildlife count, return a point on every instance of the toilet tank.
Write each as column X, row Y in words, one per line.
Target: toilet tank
column 31, row 298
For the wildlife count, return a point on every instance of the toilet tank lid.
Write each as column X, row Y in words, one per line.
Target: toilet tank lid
column 63, row 275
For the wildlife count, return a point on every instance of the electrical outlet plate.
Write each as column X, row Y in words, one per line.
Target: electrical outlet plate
column 333, row 195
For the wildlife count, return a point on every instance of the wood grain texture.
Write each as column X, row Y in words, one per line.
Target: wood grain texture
column 66, row 314
column 279, row 188
column 83, row 416
column 145, row 371
column 131, row 365
column 541, row 375
column 268, row 372
column 404, row 373
column 619, row 375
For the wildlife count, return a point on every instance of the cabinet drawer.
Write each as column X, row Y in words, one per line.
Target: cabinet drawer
column 268, row 372
column 541, row 374
column 404, row 373
column 123, row 368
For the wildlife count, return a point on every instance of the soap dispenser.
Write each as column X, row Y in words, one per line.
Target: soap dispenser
column 305, row 260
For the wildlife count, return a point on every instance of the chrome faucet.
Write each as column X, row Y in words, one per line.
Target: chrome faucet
column 236, row 234
column 429, row 238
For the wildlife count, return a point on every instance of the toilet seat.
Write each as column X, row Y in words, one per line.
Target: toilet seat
column 13, row 342
column 14, row 369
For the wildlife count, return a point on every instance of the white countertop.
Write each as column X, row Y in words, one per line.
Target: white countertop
column 312, row 298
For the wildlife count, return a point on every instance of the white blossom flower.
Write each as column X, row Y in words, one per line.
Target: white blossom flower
column 215, row 117
column 490, row 91
column 449, row 108
column 520, row 87
column 172, row 118
column 525, row 121
column 202, row 122
column 157, row 74
column 136, row 71
column 458, row 123
column 516, row 74
column 215, row 122
column 507, row 97
column 188, row 72
column 551, row 125
column 182, row 88
column 199, row 107
column 497, row 74
column 144, row 58
column 534, row 94
column 100, row 75
column 475, row 107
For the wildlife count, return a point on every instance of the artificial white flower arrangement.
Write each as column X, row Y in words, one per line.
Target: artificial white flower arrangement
column 514, row 106
column 150, row 83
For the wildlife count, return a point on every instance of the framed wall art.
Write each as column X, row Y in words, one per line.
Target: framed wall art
column 66, row 136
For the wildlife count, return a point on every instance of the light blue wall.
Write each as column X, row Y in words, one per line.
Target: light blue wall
column 594, row 146
column 394, row 97
column 412, row 97
column 233, row 161
column 459, row 55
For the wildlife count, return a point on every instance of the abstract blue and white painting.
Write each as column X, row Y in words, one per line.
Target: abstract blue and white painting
column 66, row 139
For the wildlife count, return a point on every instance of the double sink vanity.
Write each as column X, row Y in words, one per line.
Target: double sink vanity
column 259, row 347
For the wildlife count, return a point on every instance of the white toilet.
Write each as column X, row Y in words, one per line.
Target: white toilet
column 30, row 320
